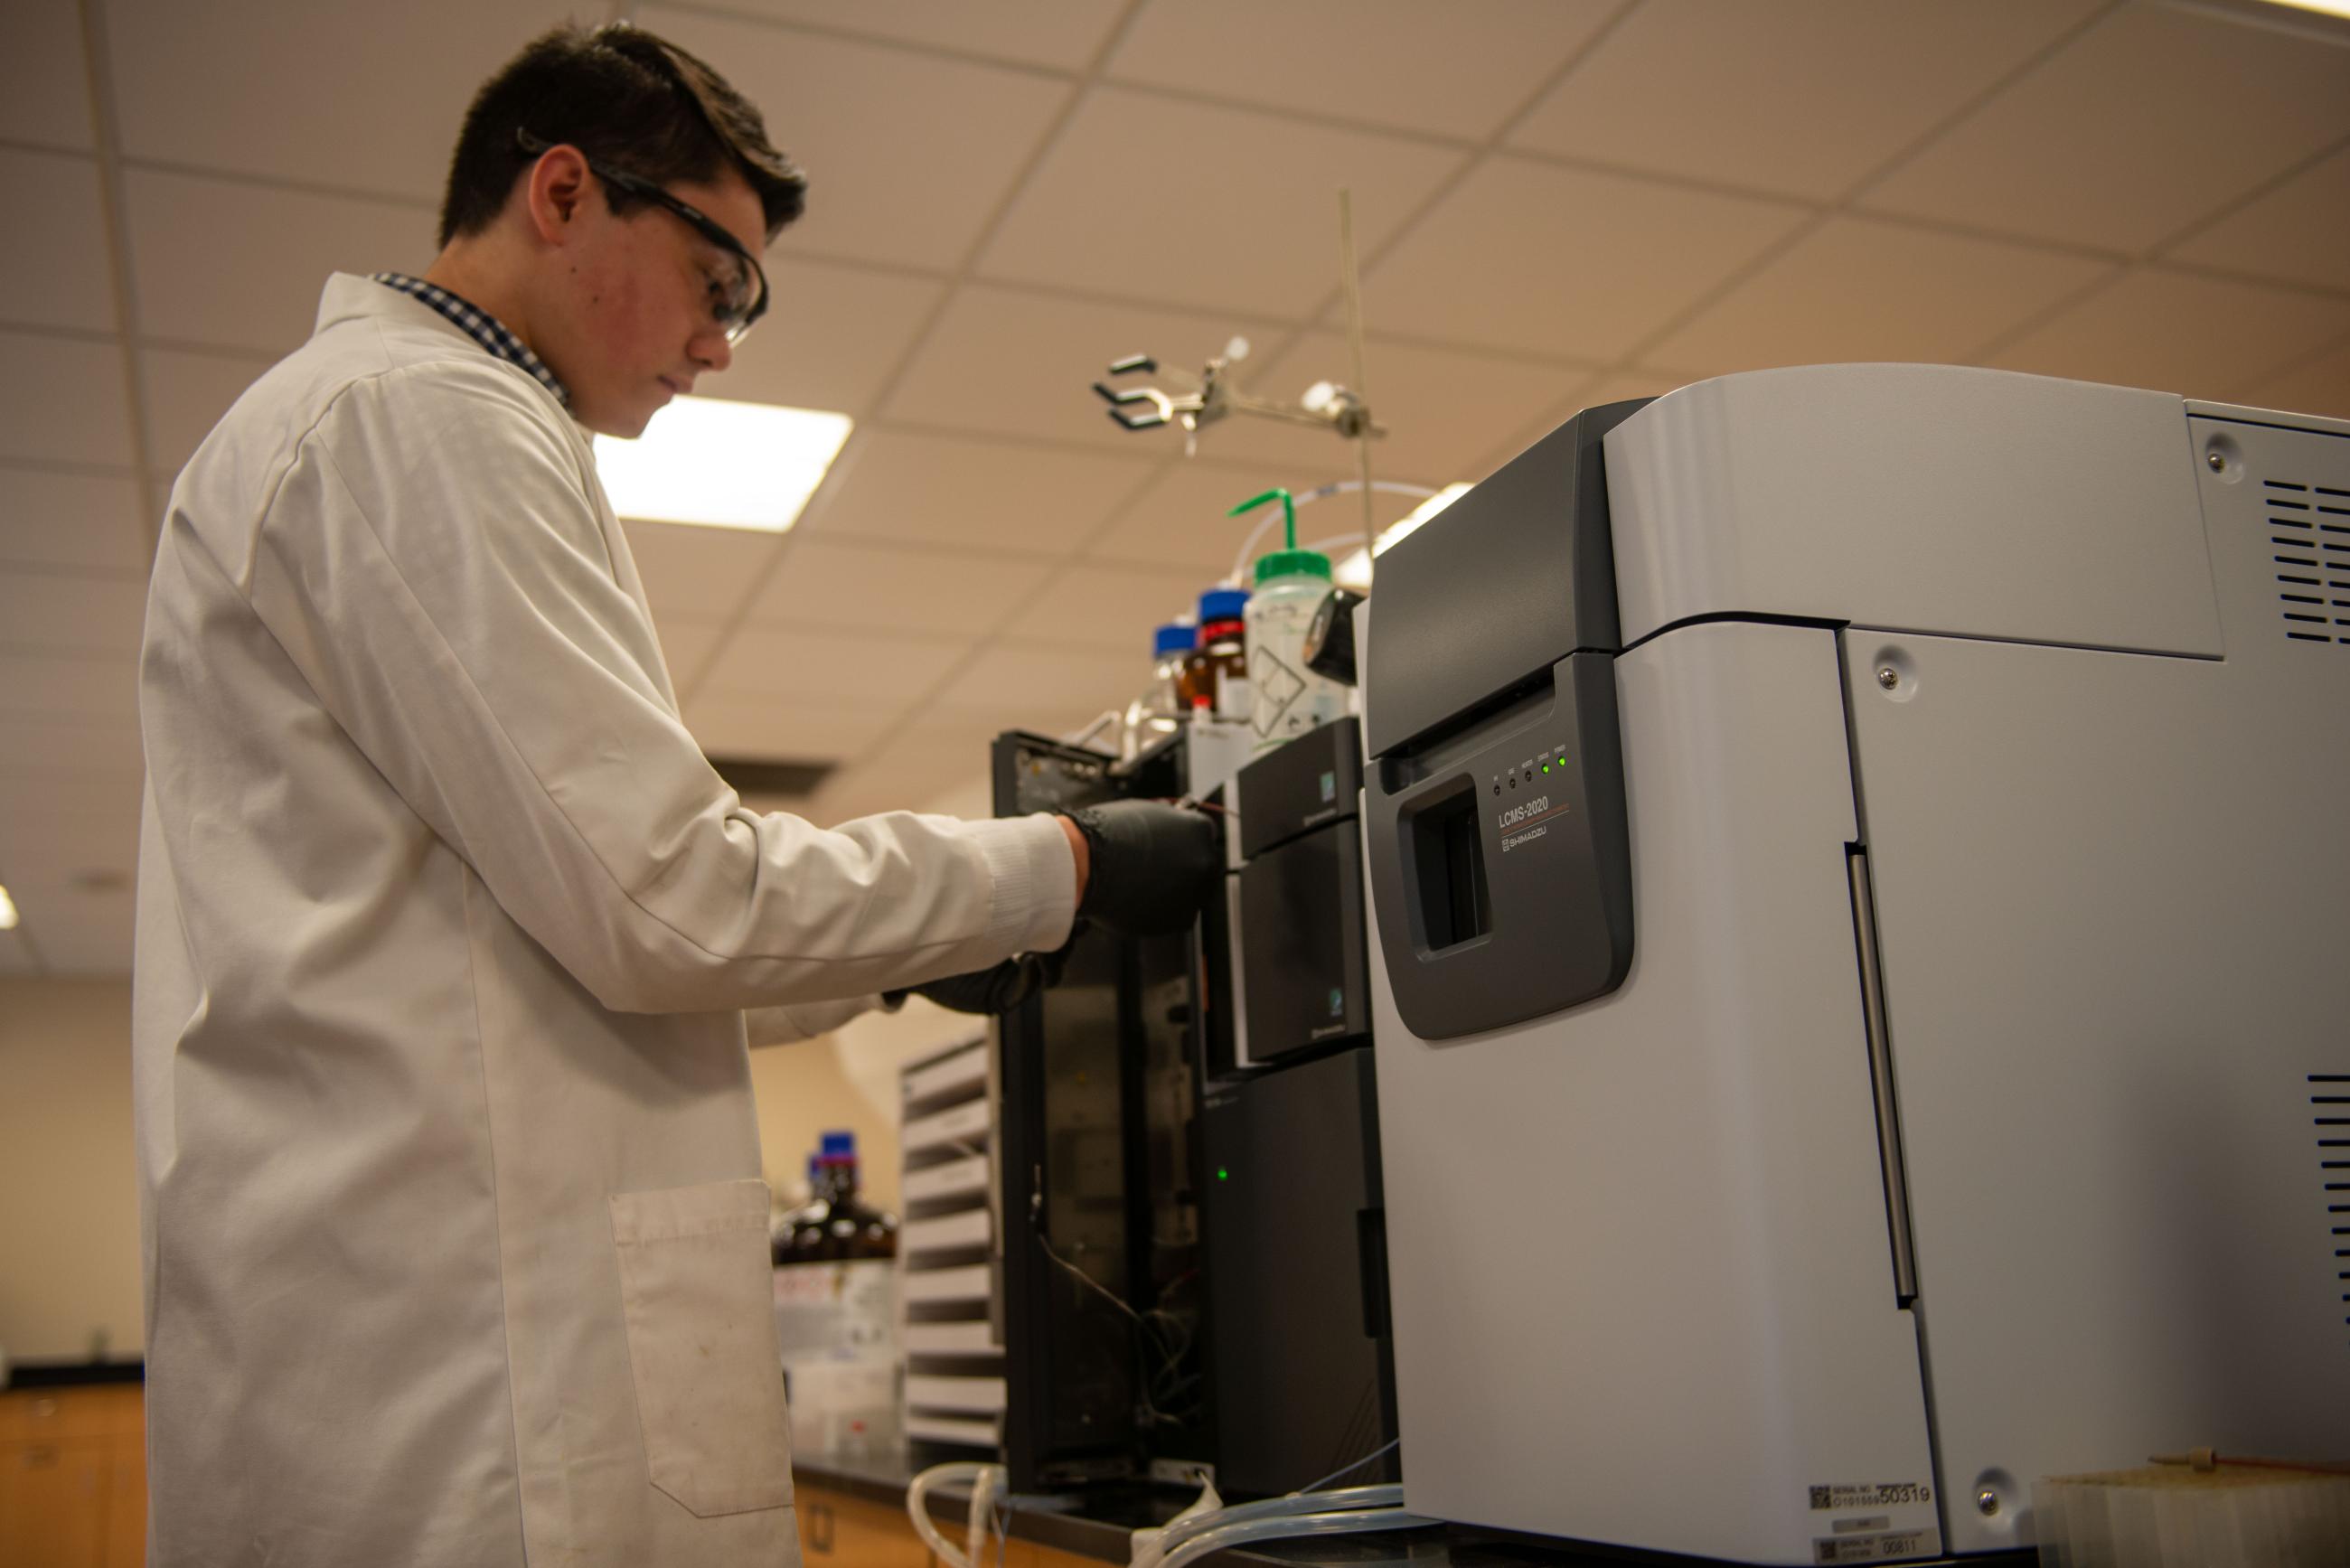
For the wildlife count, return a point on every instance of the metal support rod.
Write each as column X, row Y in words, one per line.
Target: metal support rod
column 1352, row 284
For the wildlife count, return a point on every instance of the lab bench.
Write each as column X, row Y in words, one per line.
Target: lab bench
column 73, row 1475
column 852, row 1513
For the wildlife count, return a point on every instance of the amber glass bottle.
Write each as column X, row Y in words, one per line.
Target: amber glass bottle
column 839, row 1227
column 1216, row 675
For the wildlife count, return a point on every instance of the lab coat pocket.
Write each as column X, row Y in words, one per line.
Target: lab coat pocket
column 696, row 1288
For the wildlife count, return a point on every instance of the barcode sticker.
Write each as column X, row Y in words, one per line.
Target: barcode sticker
column 1888, row 1548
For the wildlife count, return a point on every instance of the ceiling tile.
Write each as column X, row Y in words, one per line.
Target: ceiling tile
column 1110, row 606
column 2176, row 332
column 1060, row 33
column 187, row 393
column 834, row 335
column 686, row 646
column 43, row 612
column 2319, row 385
column 2153, row 119
column 1048, row 682
column 2300, row 231
column 62, row 401
column 71, row 745
column 1006, row 361
column 53, row 250
column 94, row 838
column 835, row 668
column 830, row 582
column 783, row 731
column 966, row 733
column 942, row 744
column 72, row 686
column 1529, row 256
column 1458, row 70
column 1615, row 387
column 906, row 154
column 1702, row 89
column 43, row 91
column 89, row 832
column 1180, row 521
column 92, row 813
column 1621, row 386
column 912, row 769
column 78, row 932
column 277, row 246
column 76, row 521
column 1859, row 288
column 1440, row 407
column 959, row 491
column 1216, row 208
column 698, row 574
column 362, row 97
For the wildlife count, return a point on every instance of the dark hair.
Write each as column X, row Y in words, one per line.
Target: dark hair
column 626, row 98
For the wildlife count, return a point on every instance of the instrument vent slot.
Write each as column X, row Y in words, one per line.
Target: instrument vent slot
column 2309, row 547
column 2329, row 1104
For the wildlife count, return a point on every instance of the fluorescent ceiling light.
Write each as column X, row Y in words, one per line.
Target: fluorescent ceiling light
column 7, row 911
column 1355, row 571
column 726, row 465
column 2321, row 20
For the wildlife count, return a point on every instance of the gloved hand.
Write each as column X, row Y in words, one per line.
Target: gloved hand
column 1152, row 868
column 998, row 990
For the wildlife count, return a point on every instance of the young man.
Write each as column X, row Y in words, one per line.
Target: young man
column 455, row 1244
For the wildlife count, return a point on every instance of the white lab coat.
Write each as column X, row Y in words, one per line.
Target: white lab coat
column 456, row 1248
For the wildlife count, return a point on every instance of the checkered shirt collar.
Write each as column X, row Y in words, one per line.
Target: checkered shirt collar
column 479, row 325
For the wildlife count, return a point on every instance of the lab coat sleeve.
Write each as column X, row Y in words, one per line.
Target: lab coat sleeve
column 784, row 1025
column 432, row 565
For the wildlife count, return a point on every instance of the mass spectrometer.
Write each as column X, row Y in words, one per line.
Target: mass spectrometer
column 1858, row 864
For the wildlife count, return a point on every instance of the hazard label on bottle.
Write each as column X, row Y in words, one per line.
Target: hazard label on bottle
column 1277, row 686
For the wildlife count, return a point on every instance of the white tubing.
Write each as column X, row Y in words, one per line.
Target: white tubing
column 983, row 1505
column 1289, row 1526
column 1330, row 546
column 1190, row 1526
column 983, row 1480
column 1307, row 497
column 1145, row 1546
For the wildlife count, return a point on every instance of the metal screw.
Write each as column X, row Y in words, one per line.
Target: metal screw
column 1889, row 678
column 2219, row 461
column 1987, row 1502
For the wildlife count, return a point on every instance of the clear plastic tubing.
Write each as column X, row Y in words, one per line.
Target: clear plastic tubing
column 1290, row 1526
column 1387, row 1495
column 984, row 1481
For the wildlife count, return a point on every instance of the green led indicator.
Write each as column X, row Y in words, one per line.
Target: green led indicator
column 1223, row 1175
column 1545, row 767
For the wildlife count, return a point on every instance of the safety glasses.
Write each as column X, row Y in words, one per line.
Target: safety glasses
column 734, row 302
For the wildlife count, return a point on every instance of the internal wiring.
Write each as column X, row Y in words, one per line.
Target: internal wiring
column 1173, row 1355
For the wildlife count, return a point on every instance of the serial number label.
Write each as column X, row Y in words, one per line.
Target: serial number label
column 1874, row 1548
column 1884, row 1494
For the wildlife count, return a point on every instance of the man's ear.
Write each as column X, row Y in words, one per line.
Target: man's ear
column 554, row 192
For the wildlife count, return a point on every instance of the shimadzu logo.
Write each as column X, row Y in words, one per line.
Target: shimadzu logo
column 1518, row 813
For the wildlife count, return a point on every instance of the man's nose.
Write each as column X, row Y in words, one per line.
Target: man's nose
column 711, row 351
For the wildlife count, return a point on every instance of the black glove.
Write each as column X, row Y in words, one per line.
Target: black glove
column 998, row 990
column 1154, row 868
